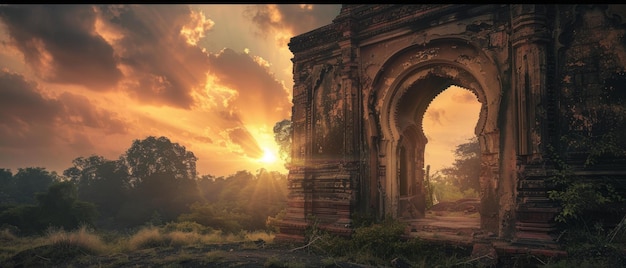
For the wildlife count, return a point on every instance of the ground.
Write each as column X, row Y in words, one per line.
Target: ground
column 224, row 255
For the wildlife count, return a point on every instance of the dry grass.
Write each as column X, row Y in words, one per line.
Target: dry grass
column 81, row 238
column 6, row 236
column 80, row 245
column 151, row 237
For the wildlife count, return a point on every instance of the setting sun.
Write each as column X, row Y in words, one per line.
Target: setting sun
column 268, row 156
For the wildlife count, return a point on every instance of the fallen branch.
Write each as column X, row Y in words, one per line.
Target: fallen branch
column 475, row 259
column 541, row 261
column 43, row 258
column 307, row 245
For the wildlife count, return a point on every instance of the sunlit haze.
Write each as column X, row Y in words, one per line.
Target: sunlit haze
column 450, row 120
column 84, row 80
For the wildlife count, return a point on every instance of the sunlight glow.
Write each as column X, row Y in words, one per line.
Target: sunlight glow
column 196, row 28
column 447, row 127
column 268, row 156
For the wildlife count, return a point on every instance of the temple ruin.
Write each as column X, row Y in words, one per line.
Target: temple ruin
column 363, row 83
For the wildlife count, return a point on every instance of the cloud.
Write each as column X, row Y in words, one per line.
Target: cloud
column 22, row 104
column 79, row 112
column 258, row 91
column 163, row 68
column 196, row 28
column 464, row 96
column 59, row 42
column 293, row 19
column 436, row 115
column 30, row 118
column 242, row 137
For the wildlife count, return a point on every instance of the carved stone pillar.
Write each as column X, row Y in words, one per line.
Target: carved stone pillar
column 530, row 39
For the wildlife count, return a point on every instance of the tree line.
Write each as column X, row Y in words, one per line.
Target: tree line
column 154, row 182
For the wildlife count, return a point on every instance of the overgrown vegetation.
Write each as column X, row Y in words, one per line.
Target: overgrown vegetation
column 381, row 243
column 593, row 207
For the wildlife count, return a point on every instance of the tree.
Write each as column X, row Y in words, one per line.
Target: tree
column 100, row 181
column 282, row 136
column 60, row 207
column 465, row 171
column 162, row 175
column 158, row 155
column 31, row 180
column 57, row 207
column 7, row 187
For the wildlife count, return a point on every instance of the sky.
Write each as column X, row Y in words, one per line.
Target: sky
column 81, row 80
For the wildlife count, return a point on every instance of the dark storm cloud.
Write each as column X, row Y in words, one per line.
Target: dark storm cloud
column 60, row 43
column 297, row 18
column 259, row 91
column 164, row 68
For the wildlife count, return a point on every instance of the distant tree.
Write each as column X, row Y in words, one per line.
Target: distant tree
column 158, row 156
column 7, row 187
column 465, row 171
column 57, row 207
column 162, row 175
column 282, row 136
column 60, row 207
column 100, row 181
column 240, row 201
column 31, row 180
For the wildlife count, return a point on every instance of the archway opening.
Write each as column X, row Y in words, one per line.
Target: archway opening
column 452, row 154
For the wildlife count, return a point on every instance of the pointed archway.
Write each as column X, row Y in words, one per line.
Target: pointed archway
column 405, row 86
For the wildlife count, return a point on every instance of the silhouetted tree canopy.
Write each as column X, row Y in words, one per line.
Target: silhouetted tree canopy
column 158, row 156
column 100, row 181
column 57, row 207
column 29, row 181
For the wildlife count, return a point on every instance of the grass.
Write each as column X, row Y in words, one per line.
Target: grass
column 81, row 246
column 82, row 238
column 184, row 244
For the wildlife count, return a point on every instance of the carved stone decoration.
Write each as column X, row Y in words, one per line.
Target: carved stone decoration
column 363, row 83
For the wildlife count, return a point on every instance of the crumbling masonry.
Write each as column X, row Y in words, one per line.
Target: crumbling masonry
column 363, row 83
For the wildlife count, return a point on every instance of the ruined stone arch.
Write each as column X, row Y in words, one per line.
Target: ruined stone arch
column 527, row 65
column 403, row 88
